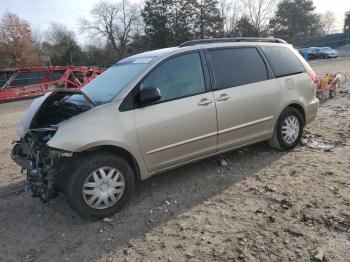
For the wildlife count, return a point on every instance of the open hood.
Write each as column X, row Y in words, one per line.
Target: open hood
column 50, row 109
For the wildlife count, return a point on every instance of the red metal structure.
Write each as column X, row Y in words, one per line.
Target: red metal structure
column 22, row 83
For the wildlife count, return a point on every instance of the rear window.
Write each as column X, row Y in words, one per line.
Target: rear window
column 283, row 61
column 237, row 66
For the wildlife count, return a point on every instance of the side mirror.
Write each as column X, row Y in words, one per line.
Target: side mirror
column 148, row 95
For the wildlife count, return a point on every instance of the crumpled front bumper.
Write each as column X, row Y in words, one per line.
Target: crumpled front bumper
column 19, row 158
column 44, row 174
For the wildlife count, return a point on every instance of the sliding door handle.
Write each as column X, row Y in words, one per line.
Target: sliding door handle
column 223, row 97
column 205, row 102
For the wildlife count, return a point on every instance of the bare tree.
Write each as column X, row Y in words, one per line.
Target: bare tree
column 224, row 8
column 259, row 13
column 328, row 22
column 58, row 33
column 231, row 11
column 115, row 22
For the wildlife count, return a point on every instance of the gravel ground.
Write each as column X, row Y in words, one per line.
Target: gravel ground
column 344, row 50
column 253, row 204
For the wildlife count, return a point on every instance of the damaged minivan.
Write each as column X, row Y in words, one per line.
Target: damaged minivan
column 159, row 110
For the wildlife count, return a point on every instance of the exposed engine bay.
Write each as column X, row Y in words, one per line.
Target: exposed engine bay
column 45, row 166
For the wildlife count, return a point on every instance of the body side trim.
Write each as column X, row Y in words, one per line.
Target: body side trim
column 245, row 125
column 208, row 135
column 181, row 143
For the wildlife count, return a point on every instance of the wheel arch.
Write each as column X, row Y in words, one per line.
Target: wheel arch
column 301, row 110
column 125, row 154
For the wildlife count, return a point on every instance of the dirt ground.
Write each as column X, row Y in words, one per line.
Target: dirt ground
column 256, row 205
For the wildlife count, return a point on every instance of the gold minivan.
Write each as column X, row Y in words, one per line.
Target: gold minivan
column 158, row 110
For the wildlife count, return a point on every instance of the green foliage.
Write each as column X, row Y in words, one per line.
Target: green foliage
column 209, row 22
column 245, row 28
column 100, row 56
column 66, row 53
column 171, row 22
column 182, row 18
column 295, row 19
column 157, row 25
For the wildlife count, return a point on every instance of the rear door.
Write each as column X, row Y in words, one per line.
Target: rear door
column 246, row 95
column 182, row 125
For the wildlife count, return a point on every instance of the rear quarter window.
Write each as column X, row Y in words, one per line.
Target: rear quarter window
column 283, row 61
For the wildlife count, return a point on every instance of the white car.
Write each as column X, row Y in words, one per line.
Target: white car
column 327, row 52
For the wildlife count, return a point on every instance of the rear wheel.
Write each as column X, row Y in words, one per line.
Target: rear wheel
column 100, row 185
column 288, row 130
column 319, row 95
column 332, row 93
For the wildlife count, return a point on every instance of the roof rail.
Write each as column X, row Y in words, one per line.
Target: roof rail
column 232, row 39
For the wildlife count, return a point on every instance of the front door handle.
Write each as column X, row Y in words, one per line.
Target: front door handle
column 223, row 97
column 205, row 102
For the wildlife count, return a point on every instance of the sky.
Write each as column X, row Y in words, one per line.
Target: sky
column 40, row 13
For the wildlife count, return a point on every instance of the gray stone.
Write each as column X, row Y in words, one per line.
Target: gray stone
column 223, row 163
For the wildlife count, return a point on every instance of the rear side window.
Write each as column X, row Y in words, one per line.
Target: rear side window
column 283, row 61
column 237, row 66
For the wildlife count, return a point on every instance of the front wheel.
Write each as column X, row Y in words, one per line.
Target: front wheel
column 288, row 130
column 100, row 185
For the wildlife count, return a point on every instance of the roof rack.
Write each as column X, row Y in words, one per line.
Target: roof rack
column 232, row 39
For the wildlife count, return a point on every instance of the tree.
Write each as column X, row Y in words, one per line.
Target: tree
column 182, row 20
column 61, row 48
column 347, row 23
column 115, row 22
column 100, row 55
column 259, row 13
column 295, row 19
column 230, row 12
column 58, row 33
column 208, row 21
column 171, row 22
column 168, row 22
column 156, row 15
column 17, row 47
column 328, row 22
column 245, row 28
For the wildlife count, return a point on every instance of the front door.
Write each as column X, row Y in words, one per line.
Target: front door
column 182, row 125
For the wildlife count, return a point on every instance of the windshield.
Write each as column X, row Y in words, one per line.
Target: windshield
column 107, row 85
column 326, row 49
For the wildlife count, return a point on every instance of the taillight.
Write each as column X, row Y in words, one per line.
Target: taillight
column 313, row 76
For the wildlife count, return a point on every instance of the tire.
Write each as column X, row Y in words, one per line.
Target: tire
column 278, row 141
column 319, row 95
column 332, row 94
column 84, row 173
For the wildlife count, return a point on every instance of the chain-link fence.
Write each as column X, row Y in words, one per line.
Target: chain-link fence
column 333, row 40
